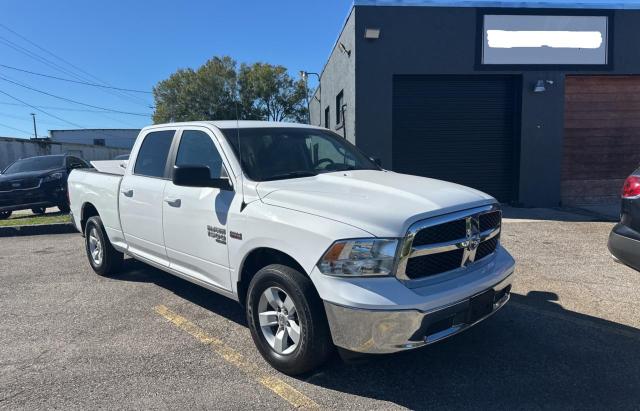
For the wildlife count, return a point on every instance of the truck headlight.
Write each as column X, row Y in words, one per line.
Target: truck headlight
column 360, row 257
column 52, row 177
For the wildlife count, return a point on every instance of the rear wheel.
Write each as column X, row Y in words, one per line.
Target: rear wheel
column 104, row 259
column 287, row 320
column 38, row 210
column 5, row 214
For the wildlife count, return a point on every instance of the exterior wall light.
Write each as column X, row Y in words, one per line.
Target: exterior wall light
column 541, row 86
column 344, row 50
column 371, row 34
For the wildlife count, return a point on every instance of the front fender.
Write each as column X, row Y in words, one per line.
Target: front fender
column 304, row 237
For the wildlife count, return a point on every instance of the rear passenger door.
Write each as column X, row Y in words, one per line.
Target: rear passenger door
column 141, row 195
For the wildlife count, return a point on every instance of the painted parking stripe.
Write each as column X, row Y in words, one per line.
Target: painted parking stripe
column 231, row 356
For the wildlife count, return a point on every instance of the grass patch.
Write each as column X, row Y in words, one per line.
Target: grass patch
column 30, row 219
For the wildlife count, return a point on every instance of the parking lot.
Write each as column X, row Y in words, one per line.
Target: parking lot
column 570, row 338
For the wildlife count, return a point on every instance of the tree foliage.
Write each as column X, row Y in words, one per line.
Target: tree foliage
column 268, row 92
column 218, row 90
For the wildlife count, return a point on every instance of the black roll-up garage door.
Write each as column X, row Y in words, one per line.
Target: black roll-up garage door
column 458, row 128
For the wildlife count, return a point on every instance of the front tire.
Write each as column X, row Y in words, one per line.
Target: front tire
column 104, row 259
column 287, row 320
column 38, row 210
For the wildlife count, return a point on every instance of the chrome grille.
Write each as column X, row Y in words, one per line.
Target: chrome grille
column 441, row 233
column 432, row 264
column 487, row 248
column 449, row 242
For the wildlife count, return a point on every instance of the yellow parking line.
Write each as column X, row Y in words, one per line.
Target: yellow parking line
column 281, row 388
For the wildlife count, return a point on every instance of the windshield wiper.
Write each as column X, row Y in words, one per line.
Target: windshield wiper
column 345, row 168
column 292, row 174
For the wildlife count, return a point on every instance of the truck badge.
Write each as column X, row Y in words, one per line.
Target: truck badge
column 217, row 233
column 472, row 240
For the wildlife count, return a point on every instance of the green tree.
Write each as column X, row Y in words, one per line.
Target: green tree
column 268, row 92
column 217, row 89
column 208, row 93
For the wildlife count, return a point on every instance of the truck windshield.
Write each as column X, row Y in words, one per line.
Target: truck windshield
column 35, row 164
column 279, row 153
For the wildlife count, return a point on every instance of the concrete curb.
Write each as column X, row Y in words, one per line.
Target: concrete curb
column 38, row 229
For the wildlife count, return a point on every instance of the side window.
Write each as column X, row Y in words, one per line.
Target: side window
column 327, row 123
column 152, row 156
column 197, row 149
column 74, row 162
column 339, row 104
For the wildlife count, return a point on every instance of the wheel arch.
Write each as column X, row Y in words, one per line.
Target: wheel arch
column 259, row 258
column 87, row 211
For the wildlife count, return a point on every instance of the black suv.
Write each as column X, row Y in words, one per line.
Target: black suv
column 37, row 183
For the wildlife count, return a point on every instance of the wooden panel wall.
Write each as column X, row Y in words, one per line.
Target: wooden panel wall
column 601, row 137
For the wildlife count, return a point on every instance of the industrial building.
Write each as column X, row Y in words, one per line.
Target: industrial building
column 534, row 102
column 108, row 137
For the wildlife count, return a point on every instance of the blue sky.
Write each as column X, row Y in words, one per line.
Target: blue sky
column 134, row 44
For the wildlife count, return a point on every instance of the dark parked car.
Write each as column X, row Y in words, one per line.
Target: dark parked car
column 37, row 183
column 624, row 240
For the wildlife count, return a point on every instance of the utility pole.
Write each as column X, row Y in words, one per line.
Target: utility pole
column 35, row 131
column 305, row 76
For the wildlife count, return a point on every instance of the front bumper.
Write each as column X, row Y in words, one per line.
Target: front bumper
column 45, row 195
column 388, row 331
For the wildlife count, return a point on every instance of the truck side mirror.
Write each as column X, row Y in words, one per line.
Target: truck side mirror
column 198, row 176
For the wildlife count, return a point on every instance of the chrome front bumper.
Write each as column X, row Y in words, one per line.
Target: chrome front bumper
column 387, row 331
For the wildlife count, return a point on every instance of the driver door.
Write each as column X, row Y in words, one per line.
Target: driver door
column 195, row 218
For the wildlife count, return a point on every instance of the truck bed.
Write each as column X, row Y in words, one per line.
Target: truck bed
column 102, row 190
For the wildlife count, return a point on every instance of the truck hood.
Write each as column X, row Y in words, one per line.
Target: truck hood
column 382, row 203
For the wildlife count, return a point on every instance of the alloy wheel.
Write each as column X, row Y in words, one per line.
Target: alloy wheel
column 279, row 320
column 95, row 246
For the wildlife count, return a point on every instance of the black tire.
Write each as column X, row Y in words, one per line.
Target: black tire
column 5, row 214
column 39, row 210
column 314, row 346
column 111, row 259
column 64, row 208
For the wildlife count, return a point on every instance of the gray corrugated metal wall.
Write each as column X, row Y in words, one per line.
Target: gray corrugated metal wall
column 12, row 149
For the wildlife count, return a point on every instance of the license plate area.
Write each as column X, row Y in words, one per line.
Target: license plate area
column 480, row 306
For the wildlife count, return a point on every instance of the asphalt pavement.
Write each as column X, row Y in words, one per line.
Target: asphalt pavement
column 569, row 339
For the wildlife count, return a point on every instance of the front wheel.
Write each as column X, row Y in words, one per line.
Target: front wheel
column 287, row 320
column 104, row 259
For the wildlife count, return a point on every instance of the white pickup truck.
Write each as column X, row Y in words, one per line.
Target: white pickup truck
column 322, row 246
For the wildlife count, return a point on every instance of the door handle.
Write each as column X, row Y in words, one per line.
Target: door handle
column 173, row 202
column 128, row 193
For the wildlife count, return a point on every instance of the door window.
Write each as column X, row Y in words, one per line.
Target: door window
column 74, row 162
column 152, row 156
column 197, row 149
